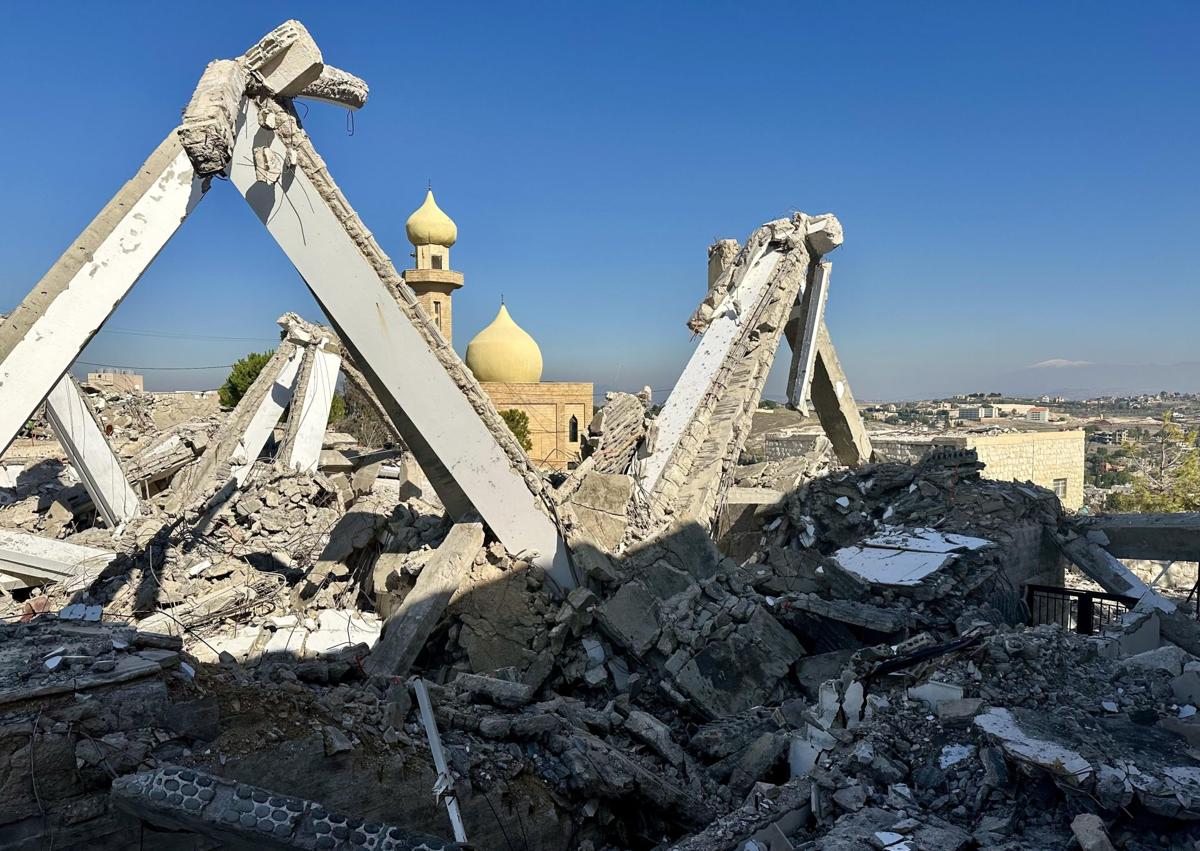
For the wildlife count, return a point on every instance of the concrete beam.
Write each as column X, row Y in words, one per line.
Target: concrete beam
column 266, row 416
column 1110, row 573
column 810, row 315
column 1157, row 537
column 1177, row 625
column 409, row 627
column 443, row 415
column 286, row 60
column 44, row 335
column 306, row 430
column 835, row 405
column 38, row 560
column 215, row 466
column 693, row 389
column 86, row 446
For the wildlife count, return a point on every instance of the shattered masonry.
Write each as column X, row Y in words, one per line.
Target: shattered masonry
column 819, row 652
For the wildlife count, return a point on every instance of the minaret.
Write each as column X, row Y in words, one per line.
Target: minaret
column 432, row 233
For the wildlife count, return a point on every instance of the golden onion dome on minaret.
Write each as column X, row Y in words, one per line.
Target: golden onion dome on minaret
column 504, row 352
column 428, row 225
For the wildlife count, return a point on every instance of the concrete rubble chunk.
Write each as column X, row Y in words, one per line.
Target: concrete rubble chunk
column 209, row 120
column 1167, row 658
column 1090, row 833
column 286, row 59
column 631, row 617
column 500, row 692
column 405, row 632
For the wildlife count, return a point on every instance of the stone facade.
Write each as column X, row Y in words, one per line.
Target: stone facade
column 559, row 413
column 117, row 382
column 1052, row 459
column 433, row 289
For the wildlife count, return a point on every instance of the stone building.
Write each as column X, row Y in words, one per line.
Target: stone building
column 508, row 363
column 116, row 382
column 504, row 358
column 1052, row 459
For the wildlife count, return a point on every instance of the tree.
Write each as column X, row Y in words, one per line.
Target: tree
column 242, row 376
column 1167, row 472
column 518, row 424
column 337, row 407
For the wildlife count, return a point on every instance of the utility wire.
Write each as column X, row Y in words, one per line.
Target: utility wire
column 138, row 332
column 163, row 368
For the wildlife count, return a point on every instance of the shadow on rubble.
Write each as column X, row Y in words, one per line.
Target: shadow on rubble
column 676, row 693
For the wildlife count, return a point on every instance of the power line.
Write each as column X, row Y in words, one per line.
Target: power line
column 140, row 332
column 159, row 368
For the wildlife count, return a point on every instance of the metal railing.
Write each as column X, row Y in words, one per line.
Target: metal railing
column 1085, row 612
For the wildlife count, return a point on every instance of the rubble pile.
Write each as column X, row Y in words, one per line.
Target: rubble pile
column 679, row 697
column 286, row 640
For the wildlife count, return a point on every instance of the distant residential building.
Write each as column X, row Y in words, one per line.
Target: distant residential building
column 1038, row 415
column 117, row 382
column 978, row 412
column 1111, row 438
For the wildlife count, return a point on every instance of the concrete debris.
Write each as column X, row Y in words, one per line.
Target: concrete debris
column 851, row 661
column 615, row 433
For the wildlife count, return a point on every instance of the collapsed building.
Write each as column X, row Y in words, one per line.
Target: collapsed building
column 290, row 640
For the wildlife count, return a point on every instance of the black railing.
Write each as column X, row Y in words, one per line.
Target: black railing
column 1085, row 612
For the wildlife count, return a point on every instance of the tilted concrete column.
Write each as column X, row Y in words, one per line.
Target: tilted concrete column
column 44, row 335
column 261, row 400
column 826, row 385
column 835, row 405
column 266, row 416
column 454, row 432
column 809, row 313
column 698, row 436
column 694, row 388
column 85, row 444
column 306, row 429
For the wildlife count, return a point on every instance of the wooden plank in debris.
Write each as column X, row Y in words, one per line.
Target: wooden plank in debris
column 407, row 630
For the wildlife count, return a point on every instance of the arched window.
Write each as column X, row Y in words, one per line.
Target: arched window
column 573, row 430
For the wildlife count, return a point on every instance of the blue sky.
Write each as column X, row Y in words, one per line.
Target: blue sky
column 1018, row 181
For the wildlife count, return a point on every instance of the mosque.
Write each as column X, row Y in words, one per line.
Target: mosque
column 504, row 358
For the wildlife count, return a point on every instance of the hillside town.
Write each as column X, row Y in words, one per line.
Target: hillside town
column 368, row 593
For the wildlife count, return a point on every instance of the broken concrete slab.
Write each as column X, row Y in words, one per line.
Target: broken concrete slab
column 732, row 674
column 405, row 632
column 1167, row 658
column 630, row 617
column 38, row 560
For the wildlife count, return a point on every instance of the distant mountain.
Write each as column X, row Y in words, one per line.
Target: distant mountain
column 1081, row 379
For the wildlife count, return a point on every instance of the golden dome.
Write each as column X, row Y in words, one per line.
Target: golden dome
column 430, row 226
column 504, row 352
